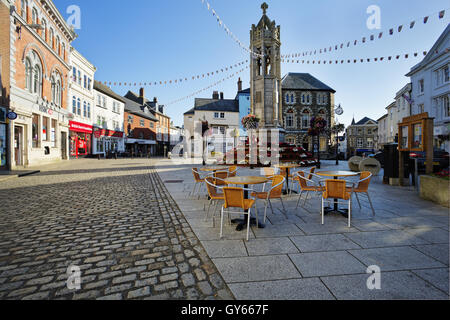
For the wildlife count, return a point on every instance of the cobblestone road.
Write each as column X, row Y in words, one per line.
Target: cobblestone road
column 112, row 218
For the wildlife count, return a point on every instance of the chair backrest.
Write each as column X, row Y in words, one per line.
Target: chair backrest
column 212, row 187
column 269, row 172
column 335, row 189
column 196, row 175
column 313, row 170
column 232, row 171
column 303, row 182
column 221, row 175
column 277, row 186
column 363, row 186
column 234, row 197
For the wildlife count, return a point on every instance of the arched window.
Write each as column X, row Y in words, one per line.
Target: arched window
column 63, row 50
column 306, row 98
column 53, row 83
column 58, row 92
column 28, row 75
column 56, row 88
column 37, row 79
column 51, row 36
column 34, row 16
column 74, row 105
column 79, row 107
column 306, row 116
column 292, row 98
column 89, row 110
column 44, row 30
column 23, row 9
column 57, row 47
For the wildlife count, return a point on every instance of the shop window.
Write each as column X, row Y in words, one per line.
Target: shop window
column 35, row 131
column 53, row 133
column 45, row 128
column 74, row 105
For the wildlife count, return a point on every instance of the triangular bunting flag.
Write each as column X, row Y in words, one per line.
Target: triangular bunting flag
column 412, row 24
column 441, row 14
column 400, row 28
column 425, row 20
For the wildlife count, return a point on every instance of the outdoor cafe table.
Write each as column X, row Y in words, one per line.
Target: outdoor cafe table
column 336, row 175
column 214, row 168
column 287, row 167
column 246, row 181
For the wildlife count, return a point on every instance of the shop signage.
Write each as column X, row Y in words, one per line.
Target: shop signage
column 107, row 133
column 79, row 127
column 11, row 115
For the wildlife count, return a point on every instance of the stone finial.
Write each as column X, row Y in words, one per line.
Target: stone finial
column 264, row 7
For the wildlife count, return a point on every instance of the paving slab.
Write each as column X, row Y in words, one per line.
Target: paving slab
column 389, row 238
column 326, row 242
column 327, row 228
column 225, row 248
column 270, row 246
column 437, row 277
column 432, row 235
column 396, row 258
column 295, row 289
column 439, row 252
column 317, row 264
column 401, row 285
column 271, row 231
column 259, row 268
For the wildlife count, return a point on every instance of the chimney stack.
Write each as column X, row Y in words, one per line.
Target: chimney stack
column 215, row 95
column 155, row 100
column 141, row 93
column 221, row 96
column 239, row 85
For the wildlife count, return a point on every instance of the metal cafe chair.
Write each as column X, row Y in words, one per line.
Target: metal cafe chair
column 275, row 192
column 234, row 199
column 362, row 188
column 199, row 180
column 337, row 190
column 232, row 171
column 214, row 195
column 306, row 186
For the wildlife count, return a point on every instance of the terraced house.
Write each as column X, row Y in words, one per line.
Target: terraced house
column 39, row 69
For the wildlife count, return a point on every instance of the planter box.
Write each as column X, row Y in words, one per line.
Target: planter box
column 435, row 189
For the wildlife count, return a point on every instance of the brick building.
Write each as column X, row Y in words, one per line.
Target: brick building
column 162, row 126
column 140, row 129
column 4, row 84
column 39, row 70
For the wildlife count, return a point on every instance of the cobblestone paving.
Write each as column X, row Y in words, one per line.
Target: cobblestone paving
column 113, row 219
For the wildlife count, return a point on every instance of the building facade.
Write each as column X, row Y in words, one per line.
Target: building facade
column 243, row 97
column 430, row 81
column 140, row 129
column 305, row 97
column 162, row 125
column 82, row 104
column 5, row 43
column 39, row 80
column 383, row 131
column 362, row 137
column 223, row 119
column 108, row 128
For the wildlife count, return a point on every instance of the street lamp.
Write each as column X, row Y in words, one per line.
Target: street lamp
column 338, row 128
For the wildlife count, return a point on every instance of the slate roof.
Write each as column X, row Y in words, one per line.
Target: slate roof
column 107, row 90
column 303, row 81
column 139, row 110
column 223, row 105
column 364, row 120
column 192, row 111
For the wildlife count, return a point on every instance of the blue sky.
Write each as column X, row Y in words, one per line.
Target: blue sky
column 154, row 40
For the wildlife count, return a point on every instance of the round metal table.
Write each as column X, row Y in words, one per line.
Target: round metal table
column 246, row 181
column 336, row 175
column 287, row 168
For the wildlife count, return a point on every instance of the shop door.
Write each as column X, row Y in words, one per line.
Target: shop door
column 18, row 144
column 64, row 145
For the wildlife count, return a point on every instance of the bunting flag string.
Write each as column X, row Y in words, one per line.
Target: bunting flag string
column 359, row 60
column 347, row 44
column 228, row 31
column 185, row 79
column 208, row 87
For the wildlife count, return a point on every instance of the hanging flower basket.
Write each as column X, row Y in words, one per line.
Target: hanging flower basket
column 250, row 122
column 318, row 126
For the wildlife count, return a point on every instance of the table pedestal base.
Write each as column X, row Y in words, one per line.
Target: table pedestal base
column 343, row 212
column 242, row 224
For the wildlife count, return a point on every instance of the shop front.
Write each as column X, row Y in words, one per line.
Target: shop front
column 107, row 141
column 3, row 139
column 140, row 147
column 80, row 139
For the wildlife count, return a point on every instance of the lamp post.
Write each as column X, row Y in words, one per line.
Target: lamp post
column 338, row 128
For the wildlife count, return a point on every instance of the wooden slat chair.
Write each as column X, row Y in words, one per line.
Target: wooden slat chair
column 234, row 199
column 307, row 186
column 214, row 196
column 275, row 192
column 221, row 176
column 363, row 188
column 337, row 189
column 296, row 179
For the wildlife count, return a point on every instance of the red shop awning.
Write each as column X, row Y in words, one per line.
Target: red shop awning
column 79, row 127
column 107, row 133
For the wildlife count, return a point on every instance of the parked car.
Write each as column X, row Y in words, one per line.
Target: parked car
column 440, row 160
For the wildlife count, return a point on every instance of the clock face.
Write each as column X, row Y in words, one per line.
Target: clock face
column 339, row 111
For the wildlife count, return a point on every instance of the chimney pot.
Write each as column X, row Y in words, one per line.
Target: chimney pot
column 215, row 95
column 155, row 100
column 239, row 85
column 141, row 93
column 221, row 96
